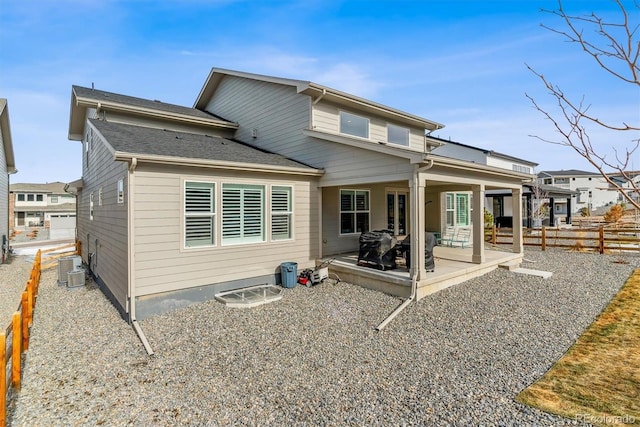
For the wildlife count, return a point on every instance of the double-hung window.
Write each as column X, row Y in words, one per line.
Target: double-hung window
column 281, row 213
column 354, row 211
column 200, row 214
column 351, row 124
column 243, row 219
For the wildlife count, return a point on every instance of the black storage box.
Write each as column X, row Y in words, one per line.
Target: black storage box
column 430, row 242
column 378, row 249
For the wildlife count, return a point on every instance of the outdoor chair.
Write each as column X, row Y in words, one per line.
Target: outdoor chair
column 448, row 235
column 462, row 237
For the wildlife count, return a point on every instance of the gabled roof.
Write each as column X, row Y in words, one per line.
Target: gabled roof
column 568, row 172
column 172, row 147
column 5, row 136
column 83, row 98
column 316, row 92
column 48, row 188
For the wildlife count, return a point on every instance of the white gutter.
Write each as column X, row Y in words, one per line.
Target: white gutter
column 132, row 285
column 315, row 101
column 415, row 258
column 88, row 102
column 219, row 164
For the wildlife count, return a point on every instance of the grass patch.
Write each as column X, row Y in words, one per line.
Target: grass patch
column 598, row 379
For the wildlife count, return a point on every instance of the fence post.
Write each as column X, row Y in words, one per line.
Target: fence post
column 543, row 238
column 3, row 379
column 30, row 302
column 16, row 356
column 601, row 239
column 494, row 235
column 78, row 247
column 25, row 321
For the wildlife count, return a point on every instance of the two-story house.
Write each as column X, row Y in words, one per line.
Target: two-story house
column 176, row 203
column 592, row 191
column 7, row 167
column 46, row 205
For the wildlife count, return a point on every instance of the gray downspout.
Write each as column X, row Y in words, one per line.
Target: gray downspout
column 414, row 259
column 131, row 233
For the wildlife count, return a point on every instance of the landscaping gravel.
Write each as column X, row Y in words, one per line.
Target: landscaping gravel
column 458, row 357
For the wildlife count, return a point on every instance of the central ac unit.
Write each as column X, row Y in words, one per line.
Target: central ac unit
column 75, row 278
column 67, row 264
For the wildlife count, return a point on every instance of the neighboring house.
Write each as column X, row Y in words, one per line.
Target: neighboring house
column 496, row 203
column 7, row 167
column 176, row 204
column 43, row 205
column 593, row 191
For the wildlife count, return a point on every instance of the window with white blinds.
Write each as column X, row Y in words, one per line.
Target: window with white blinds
column 243, row 208
column 200, row 213
column 281, row 213
column 458, row 209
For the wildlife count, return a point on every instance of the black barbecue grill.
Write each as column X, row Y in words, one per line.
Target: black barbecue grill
column 378, row 249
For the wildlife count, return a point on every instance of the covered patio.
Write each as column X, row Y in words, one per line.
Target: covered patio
column 426, row 187
column 453, row 265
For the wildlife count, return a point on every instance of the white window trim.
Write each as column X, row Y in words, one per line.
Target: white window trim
column 341, row 112
column 213, row 214
column 91, row 206
column 265, row 230
column 400, row 128
column 290, row 213
column 120, row 191
column 355, row 211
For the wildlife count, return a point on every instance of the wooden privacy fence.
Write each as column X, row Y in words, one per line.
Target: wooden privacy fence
column 597, row 239
column 14, row 339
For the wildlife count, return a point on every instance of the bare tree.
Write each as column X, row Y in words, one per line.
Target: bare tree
column 539, row 204
column 615, row 48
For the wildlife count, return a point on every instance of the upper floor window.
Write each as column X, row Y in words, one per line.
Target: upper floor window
column 39, row 197
column 21, row 197
column 520, row 168
column 397, row 135
column 351, row 124
column 54, row 199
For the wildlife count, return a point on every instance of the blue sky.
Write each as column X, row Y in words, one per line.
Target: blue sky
column 460, row 63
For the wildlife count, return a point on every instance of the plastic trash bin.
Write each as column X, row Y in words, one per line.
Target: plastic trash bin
column 289, row 274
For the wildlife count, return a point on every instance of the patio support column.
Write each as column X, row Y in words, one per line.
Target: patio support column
column 569, row 209
column 517, row 221
column 478, row 224
column 418, row 228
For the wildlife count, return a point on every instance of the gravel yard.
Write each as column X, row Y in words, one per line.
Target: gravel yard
column 458, row 357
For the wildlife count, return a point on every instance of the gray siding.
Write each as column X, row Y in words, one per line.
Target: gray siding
column 277, row 113
column 105, row 235
column 162, row 264
column 4, row 194
column 280, row 115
